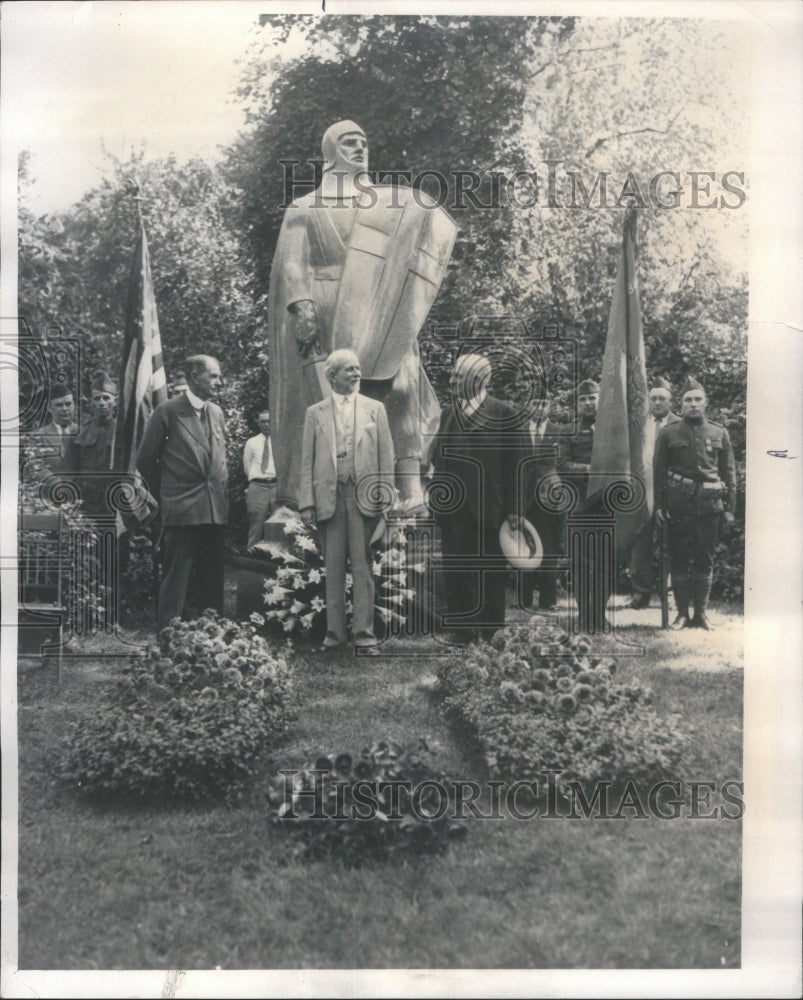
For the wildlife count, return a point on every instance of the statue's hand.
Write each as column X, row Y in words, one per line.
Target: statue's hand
column 305, row 326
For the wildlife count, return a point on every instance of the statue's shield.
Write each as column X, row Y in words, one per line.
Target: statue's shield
column 398, row 251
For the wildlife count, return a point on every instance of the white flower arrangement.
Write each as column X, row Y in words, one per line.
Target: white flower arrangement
column 296, row 596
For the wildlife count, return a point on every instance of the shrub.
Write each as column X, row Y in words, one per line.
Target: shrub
column 359, row 807
column 189, row 719
column 536, row 700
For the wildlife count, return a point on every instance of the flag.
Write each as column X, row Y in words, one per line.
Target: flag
column 622, row 450
column 142, row 380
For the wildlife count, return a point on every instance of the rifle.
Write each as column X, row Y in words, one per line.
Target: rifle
column 663, row 570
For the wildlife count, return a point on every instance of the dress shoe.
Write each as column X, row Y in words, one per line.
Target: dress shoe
column 365, row 640
column 639, row 602
column 701, row 621
column 682, row 621
column 331, row 641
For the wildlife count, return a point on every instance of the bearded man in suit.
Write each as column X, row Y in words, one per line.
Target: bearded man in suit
column 182, row 457
column 477, row 454
column 347, row 466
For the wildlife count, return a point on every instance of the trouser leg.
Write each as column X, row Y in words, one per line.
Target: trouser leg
column 178, row 549
column 681, row 555
column 260, row 499
column 332, row 534
column 492, row 583
column 210, row 567
column 359, row 530
column 460, row 585
column 706, row 535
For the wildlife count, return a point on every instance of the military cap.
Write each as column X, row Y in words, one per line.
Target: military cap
column 690, row 384
column 661, row 383
column 587, row 388
column 59, row 392
column 102, row 382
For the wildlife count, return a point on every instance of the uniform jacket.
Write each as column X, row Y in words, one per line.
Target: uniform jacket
column 373, row 458
column 575, row 449
column 485, row 454
column 50, row 438
column 182, row 467
column 89, row 454
column 701, row 453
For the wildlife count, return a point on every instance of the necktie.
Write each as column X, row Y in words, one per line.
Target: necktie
column 266, row 456
column 205, row 421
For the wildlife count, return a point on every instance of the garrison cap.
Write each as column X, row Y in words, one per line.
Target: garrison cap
column 690, row 384
column 587, row 388
column 102, row 382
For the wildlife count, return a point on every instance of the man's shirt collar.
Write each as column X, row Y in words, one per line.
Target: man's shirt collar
column 197, row 404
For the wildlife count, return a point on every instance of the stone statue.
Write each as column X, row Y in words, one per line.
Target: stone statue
column 356, row 266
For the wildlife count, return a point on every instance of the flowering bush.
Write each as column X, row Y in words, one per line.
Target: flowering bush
column 360, row 806
column 296, row 595
column 188, row 719
column 535, row 700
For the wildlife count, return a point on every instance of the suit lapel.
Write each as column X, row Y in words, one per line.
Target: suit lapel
column 189, row 420
column 326, row 419
column 360, row 419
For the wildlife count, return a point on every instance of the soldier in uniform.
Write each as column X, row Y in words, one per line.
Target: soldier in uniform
column 91, row 450
column 574, row 450
column 695, row 492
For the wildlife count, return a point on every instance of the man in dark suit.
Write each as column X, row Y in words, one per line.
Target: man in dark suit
column 346, row 483
column 540, row 472
column 182, row 457
column 477, row 454
column 642, row 576
column 54, row 436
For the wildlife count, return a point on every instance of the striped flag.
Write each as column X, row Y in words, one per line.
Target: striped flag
column 622, row 450
column 142, row 380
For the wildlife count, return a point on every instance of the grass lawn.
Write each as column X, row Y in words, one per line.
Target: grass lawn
column 195, row 888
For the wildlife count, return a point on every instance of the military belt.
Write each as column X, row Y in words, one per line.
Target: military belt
column 691, row 488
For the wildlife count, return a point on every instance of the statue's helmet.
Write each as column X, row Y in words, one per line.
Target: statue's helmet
column 331, row 137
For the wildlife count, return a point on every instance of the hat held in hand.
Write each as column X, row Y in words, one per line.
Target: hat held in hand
column 523, row 549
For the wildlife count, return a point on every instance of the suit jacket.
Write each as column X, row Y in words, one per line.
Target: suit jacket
column 485, row 453
column 182, row 467
column 50, row 439
column 374, row 460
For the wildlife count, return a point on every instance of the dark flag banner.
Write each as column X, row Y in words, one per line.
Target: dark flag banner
column 142, row 380
column 622, row 450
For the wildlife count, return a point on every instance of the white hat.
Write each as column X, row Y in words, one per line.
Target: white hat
column 523, row 549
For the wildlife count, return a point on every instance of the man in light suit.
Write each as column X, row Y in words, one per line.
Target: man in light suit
column 642, row 576
column 182, row 457
column 54, row 437
column 347, row 465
